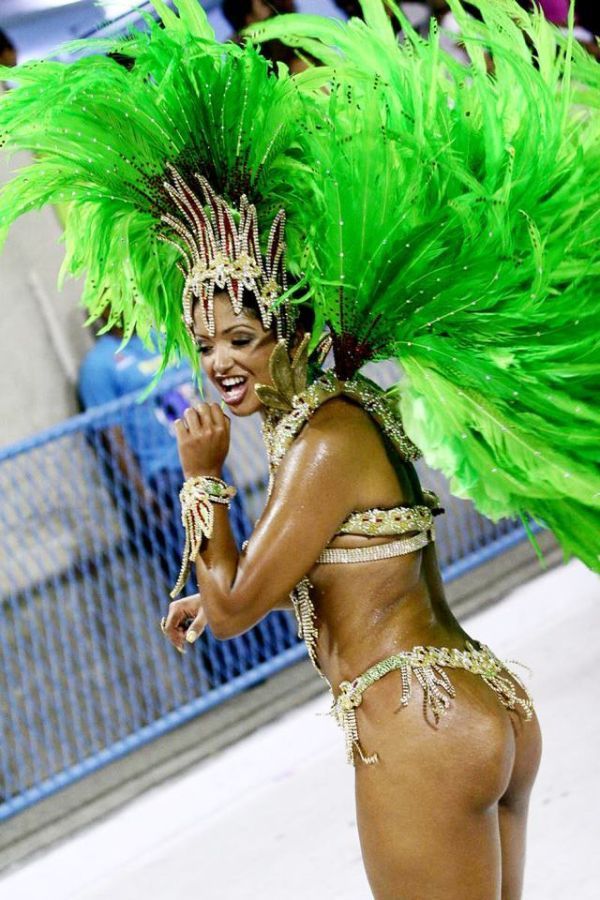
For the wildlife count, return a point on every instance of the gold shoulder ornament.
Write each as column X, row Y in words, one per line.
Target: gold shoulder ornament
column 290, row 402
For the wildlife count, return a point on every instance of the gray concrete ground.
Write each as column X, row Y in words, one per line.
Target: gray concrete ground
column 272, row 816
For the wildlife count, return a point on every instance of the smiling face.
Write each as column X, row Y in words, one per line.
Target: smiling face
column 237, row 357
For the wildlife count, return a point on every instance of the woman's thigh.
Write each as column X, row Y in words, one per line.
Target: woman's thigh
column 514, row 805
column 428, row 810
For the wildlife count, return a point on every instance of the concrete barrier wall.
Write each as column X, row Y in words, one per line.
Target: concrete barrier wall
column 42, row 341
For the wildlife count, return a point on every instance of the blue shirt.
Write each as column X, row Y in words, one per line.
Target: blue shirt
column 110, row 371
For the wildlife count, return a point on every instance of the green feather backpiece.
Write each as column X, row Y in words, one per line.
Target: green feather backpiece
column 439, row 213
column 103, row 137
column 461, row 235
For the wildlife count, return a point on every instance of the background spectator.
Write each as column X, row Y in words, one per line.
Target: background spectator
column 8, row 54
column 588, row 15
column 349, row 7
column 352, row 8
column 143, row 451
column 241, row 13
column 587, row 19
column 140, row 464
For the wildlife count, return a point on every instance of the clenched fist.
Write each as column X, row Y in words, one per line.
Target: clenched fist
column 202, row 440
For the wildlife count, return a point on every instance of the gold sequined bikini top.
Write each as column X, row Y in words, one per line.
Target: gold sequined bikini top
column 384, row 523
column 290, row 404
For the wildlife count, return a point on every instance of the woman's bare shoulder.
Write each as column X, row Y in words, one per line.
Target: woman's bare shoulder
column 345, row 412
column 342, row 426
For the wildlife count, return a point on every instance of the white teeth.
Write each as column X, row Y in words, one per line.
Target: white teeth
column 233, row 381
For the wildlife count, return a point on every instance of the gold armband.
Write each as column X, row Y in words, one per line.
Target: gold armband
column 197, row 516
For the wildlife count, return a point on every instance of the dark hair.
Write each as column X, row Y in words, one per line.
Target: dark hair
column 5, row 42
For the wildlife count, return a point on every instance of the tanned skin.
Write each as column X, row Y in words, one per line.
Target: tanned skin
column 443, row 813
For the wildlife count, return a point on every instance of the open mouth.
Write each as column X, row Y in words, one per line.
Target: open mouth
column 233, row 389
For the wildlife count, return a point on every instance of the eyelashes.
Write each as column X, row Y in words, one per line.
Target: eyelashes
column 204, row 349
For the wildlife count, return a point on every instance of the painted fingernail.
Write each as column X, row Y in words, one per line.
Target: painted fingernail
column 191, row 636
column 181, row 650
column 163, row 622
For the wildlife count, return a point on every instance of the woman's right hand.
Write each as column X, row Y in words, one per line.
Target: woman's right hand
column 202, row 440
column 185, row 621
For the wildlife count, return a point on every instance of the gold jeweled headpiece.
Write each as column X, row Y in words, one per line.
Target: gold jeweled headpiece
column 221, row 254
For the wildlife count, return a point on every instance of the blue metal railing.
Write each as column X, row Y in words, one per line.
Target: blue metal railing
column 89, row 548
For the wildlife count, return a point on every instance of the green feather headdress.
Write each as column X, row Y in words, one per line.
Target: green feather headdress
column 117, row 145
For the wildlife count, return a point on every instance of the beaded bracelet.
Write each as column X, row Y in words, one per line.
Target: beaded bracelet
column 197, row 496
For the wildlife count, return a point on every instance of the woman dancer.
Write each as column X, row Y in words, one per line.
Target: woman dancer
column 440, row 215
column 346, row 522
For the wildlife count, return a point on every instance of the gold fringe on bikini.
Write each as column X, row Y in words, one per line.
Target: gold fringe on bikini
column 427, row 664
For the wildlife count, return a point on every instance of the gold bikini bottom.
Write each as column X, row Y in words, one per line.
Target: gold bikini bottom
column 427, row 664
